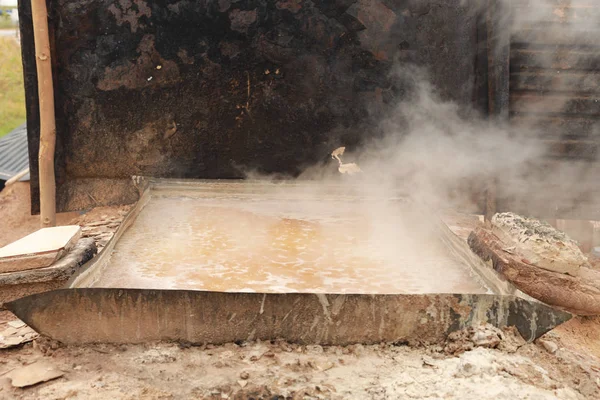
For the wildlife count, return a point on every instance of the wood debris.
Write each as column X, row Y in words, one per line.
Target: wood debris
column 102, row 227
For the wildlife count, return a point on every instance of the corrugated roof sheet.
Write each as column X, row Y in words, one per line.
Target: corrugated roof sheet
column 14, row 155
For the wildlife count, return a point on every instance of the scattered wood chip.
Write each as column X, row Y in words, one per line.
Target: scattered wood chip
column 93, row 224
column 35, row 373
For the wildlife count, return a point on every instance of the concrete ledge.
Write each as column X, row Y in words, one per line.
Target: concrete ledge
column 14, row 285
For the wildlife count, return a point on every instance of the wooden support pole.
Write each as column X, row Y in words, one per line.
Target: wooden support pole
column 498, row 36
column 491, row 200
column 47, row 119
column 498, row 21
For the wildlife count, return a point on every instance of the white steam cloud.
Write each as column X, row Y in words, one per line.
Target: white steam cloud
column 446, row 155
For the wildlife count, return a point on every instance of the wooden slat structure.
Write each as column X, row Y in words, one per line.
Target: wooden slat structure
column 554, row 99
column 555, row 71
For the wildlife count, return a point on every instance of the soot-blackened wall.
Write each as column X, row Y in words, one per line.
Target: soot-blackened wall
column 198, row 89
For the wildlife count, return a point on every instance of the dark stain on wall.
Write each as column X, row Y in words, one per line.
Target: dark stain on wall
column 206, row 88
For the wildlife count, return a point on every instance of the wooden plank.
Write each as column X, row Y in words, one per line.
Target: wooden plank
column 498, row 36
column 556, row 35
column 552, row 81
column 559, row 126
column 558, row 60
column 525, row 102
column 577, row 149
column 39, row 249
column 541, row 13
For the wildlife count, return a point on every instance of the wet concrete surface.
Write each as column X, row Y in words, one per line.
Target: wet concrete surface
column 271, row 246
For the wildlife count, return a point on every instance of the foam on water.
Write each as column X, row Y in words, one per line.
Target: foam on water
column 235, row 245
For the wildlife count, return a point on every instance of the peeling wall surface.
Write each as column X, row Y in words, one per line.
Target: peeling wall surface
column 197, row 89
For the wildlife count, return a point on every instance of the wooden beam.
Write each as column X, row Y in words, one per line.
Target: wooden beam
column 17, row 177
column 47, row 118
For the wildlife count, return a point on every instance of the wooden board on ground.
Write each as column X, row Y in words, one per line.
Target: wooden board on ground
column 39, row 249
column 579, row 295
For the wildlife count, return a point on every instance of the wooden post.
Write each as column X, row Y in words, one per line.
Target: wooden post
column 491, row 200
column 47, row 119
column 498, row 20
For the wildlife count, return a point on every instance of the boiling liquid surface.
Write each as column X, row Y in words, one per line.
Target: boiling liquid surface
column 254, row 246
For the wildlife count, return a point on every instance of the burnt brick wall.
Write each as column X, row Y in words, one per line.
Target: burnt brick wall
column 196, row 89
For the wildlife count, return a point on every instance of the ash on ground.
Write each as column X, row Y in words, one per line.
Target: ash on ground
column 481, row 363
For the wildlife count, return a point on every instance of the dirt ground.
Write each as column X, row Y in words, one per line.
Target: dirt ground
column 567, row 366
column 280, row 370
column 15, row 214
